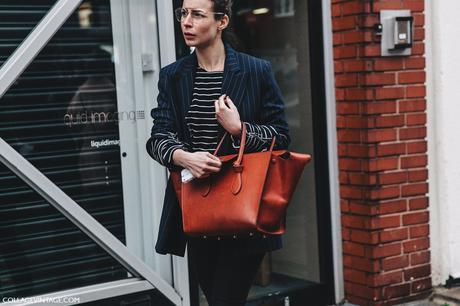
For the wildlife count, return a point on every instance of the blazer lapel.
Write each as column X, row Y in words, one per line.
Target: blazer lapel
column 234, row 79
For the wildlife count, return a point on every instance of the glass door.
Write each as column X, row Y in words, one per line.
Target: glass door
column 285, row 32
column 77, row 113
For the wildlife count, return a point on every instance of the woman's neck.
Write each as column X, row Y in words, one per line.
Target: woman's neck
column 212, row 57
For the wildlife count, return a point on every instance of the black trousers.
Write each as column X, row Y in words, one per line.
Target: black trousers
column 224, row 277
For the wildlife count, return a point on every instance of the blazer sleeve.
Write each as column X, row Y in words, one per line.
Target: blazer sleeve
column 164, row 137
column 272, row 120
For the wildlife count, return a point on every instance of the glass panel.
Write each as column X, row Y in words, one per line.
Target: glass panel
column 42, row 251
column 61, row 113
column 17, row 19
column 278, row 31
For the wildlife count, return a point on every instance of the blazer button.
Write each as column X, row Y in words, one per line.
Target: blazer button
column 264, row 236
column 234, row 236
column 204, row 237
column 218, row 237
column 251, row 234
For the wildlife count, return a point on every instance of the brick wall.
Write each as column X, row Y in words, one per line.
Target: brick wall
column 381, row 121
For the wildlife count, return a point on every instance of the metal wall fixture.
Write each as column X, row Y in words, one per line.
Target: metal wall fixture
column 396, row 28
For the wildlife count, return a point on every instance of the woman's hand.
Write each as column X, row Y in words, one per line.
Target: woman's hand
column 200, row 164
column 227, row 115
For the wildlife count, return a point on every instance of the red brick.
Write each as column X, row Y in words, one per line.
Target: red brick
column 359, row 94
column 346, row 80
column 415, row 63
column 392, row 178
column 421, row 285
column 415, row 218
column 352, row 192
column 385, row 250
column 340, row 94
column 419, row 34
column 352, row 8
column 344, row 23
column 417, row 272
column 352, row 248
column 393, row 235
column 418, row 175
column 382, row 107
column 389, row 121
column 386, row 222
column 362, row 209
column 412, row 133
column 419, row 20
column 416, row 119
column 379, row 79
column 385, row 279
column 411, row 77
column 354, row 65
column 356, row 37
column 349, row 135
column 391, row 149
column 414, row 5
column 360, row 263
column 418, row 49
column 362, row 291
column 420, row 258
column 419, row 231
column 388, row 64
column 414, row 161
column 336, row 10
column 380, row 164
column 348, row 108
column 392, row 207
column 412, row 106
column 364, row 237
column 417, row 147
column 371, row 51
column 381, row 193
column 396, row 291
column 390, row 93
column 416, row 245
column 357, row 222
column 345, row 52
column 414, row 189
column 393, row 263
column 415, row 91
column 350, row 164
column 418, row 203
column 380, row 135
column 354, row 276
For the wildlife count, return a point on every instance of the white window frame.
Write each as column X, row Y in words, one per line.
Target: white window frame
column 129, row 256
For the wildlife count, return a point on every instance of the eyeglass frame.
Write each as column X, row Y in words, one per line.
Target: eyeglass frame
column 180, row 17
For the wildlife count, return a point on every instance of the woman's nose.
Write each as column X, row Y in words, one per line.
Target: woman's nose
column 187, row 20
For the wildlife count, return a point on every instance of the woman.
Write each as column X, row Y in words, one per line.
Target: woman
column 212, row 91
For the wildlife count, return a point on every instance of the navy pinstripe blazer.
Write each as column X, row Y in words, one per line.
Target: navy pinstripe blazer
column 250, row 83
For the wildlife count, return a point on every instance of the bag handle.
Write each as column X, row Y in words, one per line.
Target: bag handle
column 238, row 164
column 239, row 160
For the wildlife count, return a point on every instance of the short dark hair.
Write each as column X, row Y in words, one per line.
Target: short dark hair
column 225, row 6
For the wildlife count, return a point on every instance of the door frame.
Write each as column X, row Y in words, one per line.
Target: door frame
column 145, row 277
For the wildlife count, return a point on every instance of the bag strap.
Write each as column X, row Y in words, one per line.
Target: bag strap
column 239, row 160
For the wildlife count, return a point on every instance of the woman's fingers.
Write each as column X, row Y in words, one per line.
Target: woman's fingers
column 230, row 103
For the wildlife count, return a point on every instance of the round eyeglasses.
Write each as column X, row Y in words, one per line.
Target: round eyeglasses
column 197, row 15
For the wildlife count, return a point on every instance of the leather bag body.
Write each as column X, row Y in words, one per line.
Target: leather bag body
column 249, row 194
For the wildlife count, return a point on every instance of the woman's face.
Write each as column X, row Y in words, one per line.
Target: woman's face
column 199, row 27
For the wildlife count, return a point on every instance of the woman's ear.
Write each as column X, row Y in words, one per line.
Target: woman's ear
column 223, row 22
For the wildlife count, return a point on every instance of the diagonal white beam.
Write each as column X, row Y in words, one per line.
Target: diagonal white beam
column 34, row 43
column 77, row 215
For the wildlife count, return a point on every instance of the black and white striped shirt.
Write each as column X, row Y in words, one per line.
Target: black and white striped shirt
column 201, row 116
